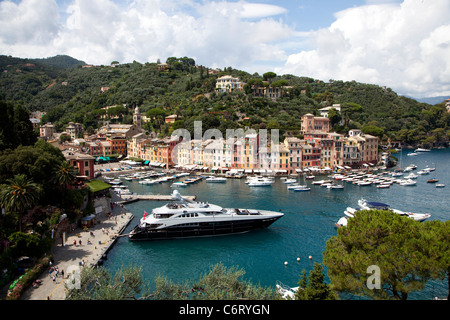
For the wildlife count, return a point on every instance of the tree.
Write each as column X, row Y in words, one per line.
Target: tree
column 437, row 235
column 19, row 194
column 128, row 284
column 64, row 175
column 393, row 243
column 314, row 287
column 373, row 130
column 221, row 283
column 98, row 284
column 334, row 116
column 269, row 75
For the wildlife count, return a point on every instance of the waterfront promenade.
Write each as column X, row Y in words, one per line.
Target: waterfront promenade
column 68, row 256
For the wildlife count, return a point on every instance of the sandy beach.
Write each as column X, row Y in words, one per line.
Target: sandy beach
column 72, row 256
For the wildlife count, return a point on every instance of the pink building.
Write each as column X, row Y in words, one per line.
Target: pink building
column 309, row 124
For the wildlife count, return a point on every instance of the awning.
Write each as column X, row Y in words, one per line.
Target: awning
column 248, row 171
column 281, row 171
column 298, row 170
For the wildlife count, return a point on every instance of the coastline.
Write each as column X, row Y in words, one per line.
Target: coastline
column 102, row 236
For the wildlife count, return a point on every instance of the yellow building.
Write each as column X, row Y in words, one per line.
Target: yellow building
column 228, row 84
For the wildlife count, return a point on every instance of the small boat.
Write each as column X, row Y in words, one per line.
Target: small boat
column 335, row 186
column 309, row 177
column 260, row 183
column 289, row 181
column 433, row 180
column 408, row 182
column 293, row 186
column 216, row 179
column 421, row 150
column 320, row 182
column 383, row 186
column 411, row 176
column 440, row 185
column 178, row 184
column 412, row 154
column 302, row 188
column 342, row 222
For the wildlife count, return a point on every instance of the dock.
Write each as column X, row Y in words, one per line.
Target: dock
column 153, row 197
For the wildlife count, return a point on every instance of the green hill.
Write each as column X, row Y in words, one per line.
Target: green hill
column 68, row 92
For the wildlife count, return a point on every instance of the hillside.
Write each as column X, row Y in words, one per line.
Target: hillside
column 69, row 92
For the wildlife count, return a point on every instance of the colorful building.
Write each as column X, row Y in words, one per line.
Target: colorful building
column 310, row 123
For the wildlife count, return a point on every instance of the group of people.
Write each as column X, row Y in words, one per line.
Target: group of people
column 54, row 271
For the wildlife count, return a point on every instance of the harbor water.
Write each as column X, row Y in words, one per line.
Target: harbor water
column 303, row 231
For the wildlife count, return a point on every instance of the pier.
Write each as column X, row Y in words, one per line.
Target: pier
column 153, row 197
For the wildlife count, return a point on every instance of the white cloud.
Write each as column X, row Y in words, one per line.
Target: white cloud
column 215, row 34
column 31, row 21
column 404, row 46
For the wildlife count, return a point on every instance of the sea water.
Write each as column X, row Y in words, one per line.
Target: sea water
column 303, row 231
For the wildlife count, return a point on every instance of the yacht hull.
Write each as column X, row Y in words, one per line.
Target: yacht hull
column 202, row 229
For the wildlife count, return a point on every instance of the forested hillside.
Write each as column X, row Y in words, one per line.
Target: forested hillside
column 67, row 91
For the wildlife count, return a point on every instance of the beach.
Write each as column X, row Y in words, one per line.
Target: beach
column 83, row 254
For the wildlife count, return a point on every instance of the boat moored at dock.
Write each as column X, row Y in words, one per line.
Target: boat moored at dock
column 183, row 219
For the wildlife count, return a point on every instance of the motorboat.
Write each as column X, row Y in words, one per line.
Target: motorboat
column 440, row 185
column 216, row 179
column 178, row 184
column 433, row 180
column 260, row 182
column 289, row 181
column 302, row 188
column 115, row 181
column 411, row 176
column 335, row 186
column 383, row 186
column 365, row 205
column 293, row 186
column 421, row 150
column 408, row 182
column 412, row 154
column 342, row 222
column 320, row 182
column 182, row 219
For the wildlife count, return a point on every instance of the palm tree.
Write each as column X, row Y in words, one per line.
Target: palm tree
column 64, row 175
column 20, row 193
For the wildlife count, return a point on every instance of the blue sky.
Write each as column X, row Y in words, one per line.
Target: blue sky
column 402, row 44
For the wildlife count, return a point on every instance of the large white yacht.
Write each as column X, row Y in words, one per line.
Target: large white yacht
column 182, row 219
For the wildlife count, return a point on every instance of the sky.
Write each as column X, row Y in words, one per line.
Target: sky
column 401, row 44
